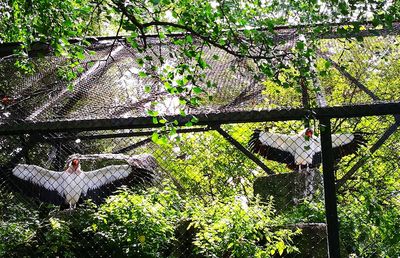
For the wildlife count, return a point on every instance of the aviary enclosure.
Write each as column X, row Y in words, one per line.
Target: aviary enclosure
column 238, row 176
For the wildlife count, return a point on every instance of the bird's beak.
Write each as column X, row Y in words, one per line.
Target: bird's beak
column 74, row 165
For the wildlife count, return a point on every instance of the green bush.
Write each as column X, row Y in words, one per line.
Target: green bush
column 129, row 224
column 231, row 228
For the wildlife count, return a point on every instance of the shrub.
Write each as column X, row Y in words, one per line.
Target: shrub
column 136, row 225
column 231, row 228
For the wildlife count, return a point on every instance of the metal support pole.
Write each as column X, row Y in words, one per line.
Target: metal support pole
column 243, row 150
column 391, row 130
column 329, row 188
column 133, row 146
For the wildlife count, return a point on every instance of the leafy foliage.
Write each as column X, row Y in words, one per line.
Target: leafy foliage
column 244, row 29
column 144, row 225
column 230, row 227
column 211, row 177
column 137, row 225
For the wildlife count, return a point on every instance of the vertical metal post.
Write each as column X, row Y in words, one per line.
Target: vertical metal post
column 329, row 188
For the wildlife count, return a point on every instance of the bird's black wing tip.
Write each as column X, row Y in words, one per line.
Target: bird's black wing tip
column 359, row 138
column 254, row 141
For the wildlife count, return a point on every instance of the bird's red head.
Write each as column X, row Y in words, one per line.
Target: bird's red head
column 75, row 163
column 309, row 133
column 5, row 100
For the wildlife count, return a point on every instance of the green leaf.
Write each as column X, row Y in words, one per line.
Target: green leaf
column 147, row 88
column 281, row 247
column 80, row 56
column 194, row 119
column 189, row 39
column 300, row 45
column 182, row 112
column 164, row 140
column 142, row 74
column 197, row 90
column 154, row 137
column 70, row 87
column 344, row 9
column 202, row 63
column 140, row 62
column 152, row 113
column 80, row 69
column 327, row 64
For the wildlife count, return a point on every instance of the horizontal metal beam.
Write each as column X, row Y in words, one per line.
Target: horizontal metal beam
column 49, row 138
column 28, row 127
column 330, row 32
column 133, row 146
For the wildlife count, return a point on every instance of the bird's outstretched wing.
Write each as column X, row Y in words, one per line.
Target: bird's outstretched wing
column 272, row 146
column 100, row 177
column 103, row 182
column 342, row 145
column 37, row 182
column 38, row 175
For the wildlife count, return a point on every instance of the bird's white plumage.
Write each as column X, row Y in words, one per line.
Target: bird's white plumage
column 341, row 139
column 276, row 140
column 48, row 179
column 302, row 148
column 71, row 185
column 106, row 175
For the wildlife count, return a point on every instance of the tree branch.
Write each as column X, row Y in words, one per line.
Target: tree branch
column 209, row 40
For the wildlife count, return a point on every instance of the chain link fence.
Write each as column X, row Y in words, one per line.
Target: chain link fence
column 89, row 173
column 127, row 196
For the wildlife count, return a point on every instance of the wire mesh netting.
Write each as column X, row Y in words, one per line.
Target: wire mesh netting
column 113, row 83
column 250, row 189
column 204, row 167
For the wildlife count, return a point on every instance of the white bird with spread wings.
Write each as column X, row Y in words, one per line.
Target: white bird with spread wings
column 70, row 185
column 301, row 150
